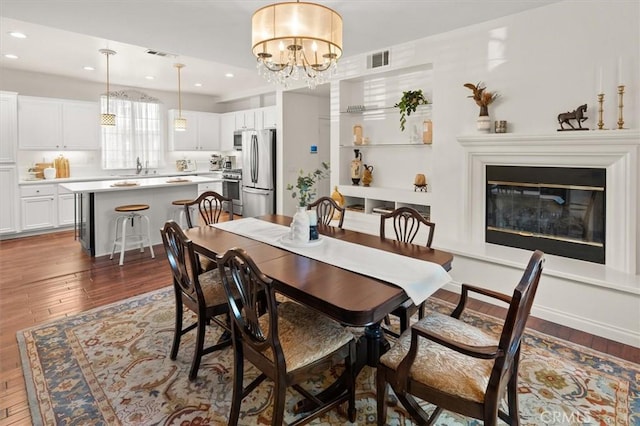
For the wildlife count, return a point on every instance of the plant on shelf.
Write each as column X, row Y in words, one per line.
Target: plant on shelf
column 482, row 97
column 305, row 190
column 409, row 102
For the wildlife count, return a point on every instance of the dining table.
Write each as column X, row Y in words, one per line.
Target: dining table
column 353, row 298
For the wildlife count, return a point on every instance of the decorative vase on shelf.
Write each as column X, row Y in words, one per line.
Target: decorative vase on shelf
column 367, row 176
column 484, row 122
column 300, row 226
column 356, row 167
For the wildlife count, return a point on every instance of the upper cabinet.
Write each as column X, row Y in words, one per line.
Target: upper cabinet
column 8, row 127
column 202, row 133
column 245, row 120
column 58, row 124
column 266, row 118
column 227, row 128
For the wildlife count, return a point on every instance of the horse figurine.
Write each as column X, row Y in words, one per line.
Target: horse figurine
column 577, row 114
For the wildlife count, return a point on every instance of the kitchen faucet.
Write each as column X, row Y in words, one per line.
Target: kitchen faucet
column 138, row 166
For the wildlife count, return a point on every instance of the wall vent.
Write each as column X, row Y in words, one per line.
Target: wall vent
column 159, row 53
column 378, row 59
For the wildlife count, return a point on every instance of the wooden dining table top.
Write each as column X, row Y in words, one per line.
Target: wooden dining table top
column 348, row 297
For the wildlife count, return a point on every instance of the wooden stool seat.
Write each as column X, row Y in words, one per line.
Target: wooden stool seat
column 181, row 202
column 132, row 208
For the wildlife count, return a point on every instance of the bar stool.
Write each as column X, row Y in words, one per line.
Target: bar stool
column 131, row 213
column 179, row 213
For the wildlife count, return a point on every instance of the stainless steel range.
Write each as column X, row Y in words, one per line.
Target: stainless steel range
column 232, row 188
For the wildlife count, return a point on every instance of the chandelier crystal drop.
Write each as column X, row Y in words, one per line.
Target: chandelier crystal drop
column 297, row 41
column 107, row 119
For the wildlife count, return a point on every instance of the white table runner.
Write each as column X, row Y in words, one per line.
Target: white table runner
column 418, row 278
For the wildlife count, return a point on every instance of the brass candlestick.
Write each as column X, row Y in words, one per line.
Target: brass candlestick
column 600, row 111
column 620, row 105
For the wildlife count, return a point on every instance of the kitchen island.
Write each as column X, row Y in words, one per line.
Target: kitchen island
column 96, row 201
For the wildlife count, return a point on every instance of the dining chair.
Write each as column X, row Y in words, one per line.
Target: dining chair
column 201, row 292
column 326, row 209
column 406, row 224
column 457, row 366
column 210, row 205
column 287, row 342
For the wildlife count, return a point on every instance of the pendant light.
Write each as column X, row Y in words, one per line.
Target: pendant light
column 296, row 40
column 179, row 124
column 107, row 119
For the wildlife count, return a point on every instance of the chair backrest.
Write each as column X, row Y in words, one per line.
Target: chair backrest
column 256, row 293
column 210, row 205
column 515, row 322
column 326, row 209
column 406, row 223
column 183, row 260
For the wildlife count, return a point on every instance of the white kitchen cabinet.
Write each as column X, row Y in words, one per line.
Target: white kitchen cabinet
column 227, row 128
column 9, row 206
column 57, row 124
column 8, row 127
column 38, row 206
column 210, row 186
column 202, row 132
column 245, row 120
column 66, row 207
column 269, row 118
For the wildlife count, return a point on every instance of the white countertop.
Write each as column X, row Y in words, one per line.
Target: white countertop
column 130, row 183
column 215, row 175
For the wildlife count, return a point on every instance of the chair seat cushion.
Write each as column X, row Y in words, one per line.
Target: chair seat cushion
column 442, row 368
column 212, row 288
column 305, row 335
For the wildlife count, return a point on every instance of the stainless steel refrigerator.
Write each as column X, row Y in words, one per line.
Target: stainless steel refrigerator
column 258, row 172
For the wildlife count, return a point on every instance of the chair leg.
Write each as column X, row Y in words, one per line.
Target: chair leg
column 238, row 376
column 197, row 355
column 279, row 400
column 381, row 400
column 178, row 331
column 115, row 237
column 404, row 320
column 415, row 411
column 351, row 385
column 421, row 309
column 512, row 395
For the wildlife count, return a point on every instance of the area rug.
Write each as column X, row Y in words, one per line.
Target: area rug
column 111, row 366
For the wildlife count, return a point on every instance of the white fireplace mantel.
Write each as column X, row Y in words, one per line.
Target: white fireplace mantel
column 616, row 150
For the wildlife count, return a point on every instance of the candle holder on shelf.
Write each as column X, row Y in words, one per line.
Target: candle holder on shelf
column 620, row 105
column 600, row 111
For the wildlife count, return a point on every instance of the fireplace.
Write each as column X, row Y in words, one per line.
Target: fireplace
column 559, row 210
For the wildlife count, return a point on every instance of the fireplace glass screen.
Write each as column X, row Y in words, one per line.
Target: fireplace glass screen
column 557, row 210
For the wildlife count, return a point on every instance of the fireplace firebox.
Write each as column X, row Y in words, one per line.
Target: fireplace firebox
column 559, row 210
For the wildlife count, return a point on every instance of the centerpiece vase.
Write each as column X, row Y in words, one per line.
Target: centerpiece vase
column 484, row 122
column 300, row 226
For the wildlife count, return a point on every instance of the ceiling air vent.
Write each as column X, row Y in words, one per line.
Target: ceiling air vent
column 158, row 53
column 379, row 59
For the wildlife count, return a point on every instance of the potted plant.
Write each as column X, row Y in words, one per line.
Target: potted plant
column 483, row 99
column 409, row 102
column 305, row 191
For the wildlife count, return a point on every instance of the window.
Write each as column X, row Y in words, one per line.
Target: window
column 137, row 133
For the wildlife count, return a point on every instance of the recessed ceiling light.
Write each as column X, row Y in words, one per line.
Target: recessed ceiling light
column 149, row 77
column 10, row 56
column 198, row 84
column 229, row 75
column 17, row 34
column 88, row 68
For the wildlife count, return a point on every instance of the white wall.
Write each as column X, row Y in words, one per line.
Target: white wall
column 542, row 62
column 304, row 124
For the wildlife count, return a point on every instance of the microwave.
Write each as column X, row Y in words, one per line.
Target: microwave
column 237, row 140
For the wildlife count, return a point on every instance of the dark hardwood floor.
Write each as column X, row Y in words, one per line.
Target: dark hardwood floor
column 46, row 277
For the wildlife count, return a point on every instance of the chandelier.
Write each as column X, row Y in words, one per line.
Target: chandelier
column 296, row 40
column 107, row 119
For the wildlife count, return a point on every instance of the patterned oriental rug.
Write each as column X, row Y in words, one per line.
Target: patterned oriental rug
column 111, row 366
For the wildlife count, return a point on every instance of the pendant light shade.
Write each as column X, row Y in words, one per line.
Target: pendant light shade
column 296, row 40
column 179, row 124
column 107, row 119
